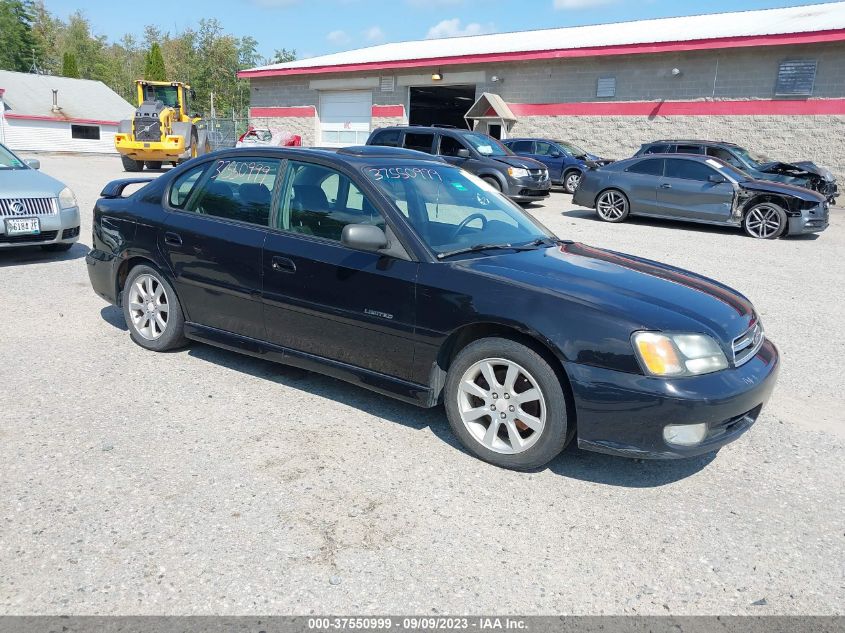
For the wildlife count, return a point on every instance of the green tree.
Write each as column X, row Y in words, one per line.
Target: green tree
column 155, row 70
column 282, row 55
column 69, row 68
column 19, row 48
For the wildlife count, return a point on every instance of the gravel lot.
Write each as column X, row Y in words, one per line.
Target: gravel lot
column 204, row 482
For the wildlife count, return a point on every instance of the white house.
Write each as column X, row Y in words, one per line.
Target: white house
column 58, row 114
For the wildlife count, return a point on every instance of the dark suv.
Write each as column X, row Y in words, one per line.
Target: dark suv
column 802, row 174
column 521, row 179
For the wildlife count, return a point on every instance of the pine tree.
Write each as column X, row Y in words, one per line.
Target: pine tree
column 69, row 68
column 155, row 69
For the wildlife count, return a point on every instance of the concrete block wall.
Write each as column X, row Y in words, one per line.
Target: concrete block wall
column 818, row 138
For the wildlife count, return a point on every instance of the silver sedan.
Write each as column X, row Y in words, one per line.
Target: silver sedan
column 35, row 209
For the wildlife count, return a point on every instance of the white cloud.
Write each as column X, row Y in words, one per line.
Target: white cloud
column 453, row 28
column 338, row 37
column 574, row 5
column 374, row 34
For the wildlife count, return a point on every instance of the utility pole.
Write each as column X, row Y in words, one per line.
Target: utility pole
column 212, row 105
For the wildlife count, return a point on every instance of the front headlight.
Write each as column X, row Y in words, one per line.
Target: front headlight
column 66, row 199
column 517, row 172
column 678, row 354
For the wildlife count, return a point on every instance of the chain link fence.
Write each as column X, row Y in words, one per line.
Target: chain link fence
column 223, row 133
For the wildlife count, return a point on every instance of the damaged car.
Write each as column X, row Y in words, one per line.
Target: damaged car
column 802, row 173
column 697, row 188
column 566, row 162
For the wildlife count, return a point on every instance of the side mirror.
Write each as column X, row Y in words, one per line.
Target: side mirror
column 463, row 153
column 363, row 237
column 32, row 163
column 716, row 179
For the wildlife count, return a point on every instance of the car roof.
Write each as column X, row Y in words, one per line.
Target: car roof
column 359, row 154
column 692, row 142
column 428, row 128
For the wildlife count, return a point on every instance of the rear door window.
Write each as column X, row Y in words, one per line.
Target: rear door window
column 522, row 147
column 687, row 169
column 650, row 167
column 689, row 149
column 420, row 141
column 238, row 189
column 725, row 155
column 658, row 149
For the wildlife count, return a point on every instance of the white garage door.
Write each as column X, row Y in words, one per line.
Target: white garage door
column 345, row 117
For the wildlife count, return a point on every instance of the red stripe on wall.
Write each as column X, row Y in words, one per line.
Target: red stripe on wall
column 389, row 110
column 299, row 111
column 682, row 108
column 833, row 35
column 36, row 117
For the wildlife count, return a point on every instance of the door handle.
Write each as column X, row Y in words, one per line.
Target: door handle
column 283, row 265
column 665, row 185
column 172, row 239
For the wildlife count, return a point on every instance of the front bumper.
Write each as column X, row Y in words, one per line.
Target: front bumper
column 61, row 228
column 528, row 189
column 625, row 414
column 814, row 220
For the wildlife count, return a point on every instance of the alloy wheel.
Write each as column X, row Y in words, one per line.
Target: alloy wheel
column 763, row 222
column 502, row 406
column 612, row 206
column 572, row 182
column 148, row 307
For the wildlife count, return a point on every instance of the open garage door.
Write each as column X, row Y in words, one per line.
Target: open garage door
column 440, row 105
column 345, row 117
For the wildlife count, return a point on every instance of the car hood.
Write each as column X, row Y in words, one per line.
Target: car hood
column 647, row 295
column 28, row 183
column 800, row 168
column 519, row 161
column 771, row 186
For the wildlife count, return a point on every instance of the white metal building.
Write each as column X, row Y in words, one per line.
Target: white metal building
column 58, row 114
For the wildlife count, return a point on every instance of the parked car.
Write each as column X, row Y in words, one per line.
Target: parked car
column 566, row 162
column 802, row 173
column 416, row 279
column 696, row 188
column 521, row 179
column 36, row 209
column 267, row 137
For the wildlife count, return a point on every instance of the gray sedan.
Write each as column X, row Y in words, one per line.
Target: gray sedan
column 35, row 209
column 701, row 189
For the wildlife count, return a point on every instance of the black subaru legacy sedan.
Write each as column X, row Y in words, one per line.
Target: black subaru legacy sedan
column 402, row 274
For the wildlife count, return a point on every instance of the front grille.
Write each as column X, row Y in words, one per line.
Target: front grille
column 747, row 344
column 45, row 236
column 68, row 233
column 538, row 174
column 147, row 129
column 31, row 206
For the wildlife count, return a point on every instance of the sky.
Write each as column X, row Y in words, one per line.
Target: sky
column 318, row 27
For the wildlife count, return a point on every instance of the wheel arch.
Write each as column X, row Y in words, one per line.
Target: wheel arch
column 126, row 266
column 760, row 198
column 471, row 332
column 492, row 173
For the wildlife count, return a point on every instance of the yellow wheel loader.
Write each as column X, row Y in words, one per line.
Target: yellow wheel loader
column 162, row 130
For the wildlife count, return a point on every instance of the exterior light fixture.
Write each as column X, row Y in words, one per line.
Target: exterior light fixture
column 676, row 72
column 436, row 76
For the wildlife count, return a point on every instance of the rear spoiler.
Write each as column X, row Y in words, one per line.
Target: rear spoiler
column 115, row 188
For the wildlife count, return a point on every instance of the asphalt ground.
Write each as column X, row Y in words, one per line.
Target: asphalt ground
column 205, row 482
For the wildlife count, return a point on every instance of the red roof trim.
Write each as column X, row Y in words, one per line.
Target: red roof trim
column 683, row 108
column 299, row 111
column 397, row 111
column 834, row 35
column 38, row 117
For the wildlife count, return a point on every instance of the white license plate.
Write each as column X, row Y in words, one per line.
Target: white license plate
column 23, row 226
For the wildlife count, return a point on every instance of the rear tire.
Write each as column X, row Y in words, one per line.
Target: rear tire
column 152, row 310
column 518, row 423
column 57, row 248
column 130, row 164
column 612, row 206
column 492, row 182
column 153, row 164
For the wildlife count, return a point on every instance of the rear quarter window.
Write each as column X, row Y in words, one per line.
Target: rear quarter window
column 387, row 138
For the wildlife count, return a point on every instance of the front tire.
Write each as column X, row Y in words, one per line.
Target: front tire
column 506, row 404
column 492, row 182
column 130, row 164
column 571, row 180
column 152, row 310
column 612, row 206
column 765, row 221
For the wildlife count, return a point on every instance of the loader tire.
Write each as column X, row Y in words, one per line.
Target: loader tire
column 131, row 165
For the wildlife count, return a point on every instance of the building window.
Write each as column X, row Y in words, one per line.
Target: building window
column 796, row 78
column 87, row 132
column 606, row 87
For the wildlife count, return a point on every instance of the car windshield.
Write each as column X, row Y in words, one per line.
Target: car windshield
column 754, row 161
column 486, row 145
column 572, row 149
column 728, row 170
column 452, row 210
column 9, row 160
column 168, row 95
